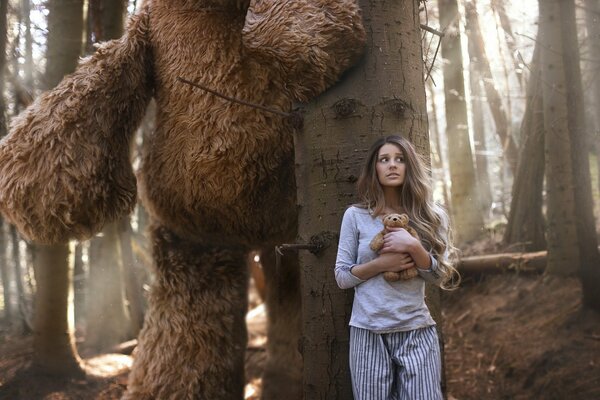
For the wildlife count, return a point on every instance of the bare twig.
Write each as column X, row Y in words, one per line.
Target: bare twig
column 234, row 100
column 295, row 117
column 432, row 30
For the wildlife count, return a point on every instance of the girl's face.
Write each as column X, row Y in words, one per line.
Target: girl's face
column 390, row 166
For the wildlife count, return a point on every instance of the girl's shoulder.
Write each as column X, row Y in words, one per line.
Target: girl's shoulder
column 358, row 210
column 358, row 213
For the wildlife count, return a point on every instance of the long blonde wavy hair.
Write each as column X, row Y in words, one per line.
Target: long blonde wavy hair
column 427, row 217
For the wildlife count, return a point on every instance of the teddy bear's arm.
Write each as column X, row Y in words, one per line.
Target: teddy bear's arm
column 310, row 42
column 65, row 167
column 377, row 241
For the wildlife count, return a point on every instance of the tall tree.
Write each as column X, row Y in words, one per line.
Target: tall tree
column 509, row 148
column 526, row 221
column 438, row 161
column 498, row 7
column 3, row 262
column 28, row 67
column 467, row 219
column 53, row 338
column 592, row 22
column 106, row 283
column 563, row 251
column 383, row 95
column 589, row 268
column 479, row 145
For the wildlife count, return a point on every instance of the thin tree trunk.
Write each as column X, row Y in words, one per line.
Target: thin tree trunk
column 24, row 323
column 3, row 260
column 498, row 7
column 589, row 267
column 437, row 161
column 65, row 27
column 481, row 158
column 592, row 22
column 54, row 348
column 5, row 277
column 467, row 219
column 108, row 321
column 509, row 147
column 108, row 252
column 383, row 95
column 563, row 248
column 526, row 221
column 79, row 285
column 133, row 288
column 28, row 67
column 53, row 344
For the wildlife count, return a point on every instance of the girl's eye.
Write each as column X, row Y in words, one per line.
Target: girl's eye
column 400, row 159
column 383, row 159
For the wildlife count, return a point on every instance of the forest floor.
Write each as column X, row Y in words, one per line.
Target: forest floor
column 507, row 336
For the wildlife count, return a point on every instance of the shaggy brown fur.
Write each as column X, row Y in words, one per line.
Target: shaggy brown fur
column 216, row 176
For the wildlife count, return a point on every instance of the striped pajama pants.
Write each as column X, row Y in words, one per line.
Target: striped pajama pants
column 395, row 366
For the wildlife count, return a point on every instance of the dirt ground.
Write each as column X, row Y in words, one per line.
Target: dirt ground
column 506, row 337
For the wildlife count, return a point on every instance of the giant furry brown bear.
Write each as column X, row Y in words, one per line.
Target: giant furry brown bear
column 216, row 176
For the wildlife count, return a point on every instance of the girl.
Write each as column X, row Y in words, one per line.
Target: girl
column 394, row 349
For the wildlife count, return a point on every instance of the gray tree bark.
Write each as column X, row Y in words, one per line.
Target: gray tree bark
column 526, row 226
column 563, row 250
column 467, row 219
column 509, row 148
column 589, row 268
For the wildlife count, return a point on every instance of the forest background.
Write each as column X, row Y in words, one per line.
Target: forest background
column 513, row 103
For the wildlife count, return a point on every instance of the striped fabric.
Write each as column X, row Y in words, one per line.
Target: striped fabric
column 395, row 366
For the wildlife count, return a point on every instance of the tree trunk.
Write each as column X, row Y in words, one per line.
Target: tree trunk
column 24, row 323
column 498, row 7
column 108, row 278
column 563, row 251
column 65, row 27
column 133, row 287
column 108, row 321
column 28, row 68
column 383, row 95
column 54, row 350
column 592, row 22
column 481, row 157
column 467, row 219
column 509, row 148
column 589, row 267
column 5, row 277
column 526, row 221
column 438, row 160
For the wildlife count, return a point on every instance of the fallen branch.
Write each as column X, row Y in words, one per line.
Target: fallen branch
column 499, row 263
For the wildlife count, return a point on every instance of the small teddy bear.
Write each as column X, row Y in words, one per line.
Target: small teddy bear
column 394, row 221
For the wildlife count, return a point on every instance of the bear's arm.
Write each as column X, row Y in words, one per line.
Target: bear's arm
column 310, row 42
column 65, row 166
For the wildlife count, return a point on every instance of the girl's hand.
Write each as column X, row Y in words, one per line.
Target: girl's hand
column 394, row 262
column 398, row 240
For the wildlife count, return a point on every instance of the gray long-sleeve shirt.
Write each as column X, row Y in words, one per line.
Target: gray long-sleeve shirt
column 379, row 305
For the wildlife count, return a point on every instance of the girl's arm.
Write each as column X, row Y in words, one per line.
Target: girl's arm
column 400, row 241
column 347, row 272
column 347, row 253
column 393, row 262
